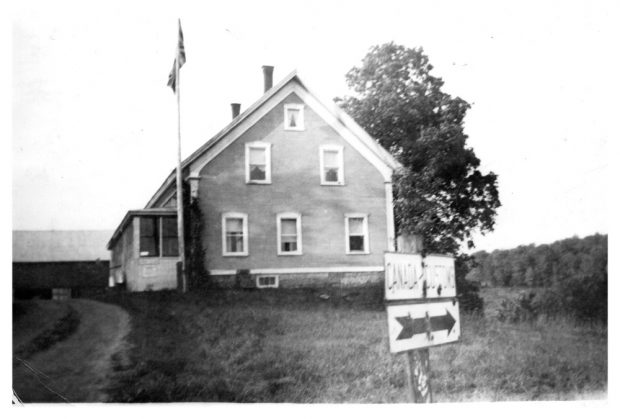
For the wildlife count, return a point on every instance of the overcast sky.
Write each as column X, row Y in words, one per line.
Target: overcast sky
column 94, row 122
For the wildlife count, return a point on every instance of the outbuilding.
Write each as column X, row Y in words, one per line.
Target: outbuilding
column 59, row 264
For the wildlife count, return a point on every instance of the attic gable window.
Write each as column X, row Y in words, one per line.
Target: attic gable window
column 234, row 234
column 356, row 234
column 258, row 162
column 331, row 165
column 294, row 117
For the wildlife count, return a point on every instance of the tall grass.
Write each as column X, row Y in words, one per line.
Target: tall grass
column 292, row 346
column 546, row 359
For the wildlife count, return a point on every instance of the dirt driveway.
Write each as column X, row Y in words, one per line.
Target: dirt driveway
column 75, row 369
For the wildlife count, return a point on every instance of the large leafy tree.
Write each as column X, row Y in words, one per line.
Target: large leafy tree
column 440, row 194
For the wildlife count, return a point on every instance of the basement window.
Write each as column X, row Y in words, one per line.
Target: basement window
column 258, row 162
column 267, row 281
column 356, row 234
column 234, row 234
column 294, row 117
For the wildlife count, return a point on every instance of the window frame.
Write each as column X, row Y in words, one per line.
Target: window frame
column 301, row 126
column 267, row 148
column 245, row 241
column 289, row 215
column 275, row 285
column 347, row 243
column 161, row 238
column 340, row 150
column 157, row 235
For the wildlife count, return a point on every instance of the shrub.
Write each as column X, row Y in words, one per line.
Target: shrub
column 525, row 307
column 582, row 298
column 468, row 291
column 193, row 218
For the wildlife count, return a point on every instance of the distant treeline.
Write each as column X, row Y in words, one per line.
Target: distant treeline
column 568, row 276
column 544, row 265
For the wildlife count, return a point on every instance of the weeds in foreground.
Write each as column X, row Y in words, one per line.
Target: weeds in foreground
column 299, row 347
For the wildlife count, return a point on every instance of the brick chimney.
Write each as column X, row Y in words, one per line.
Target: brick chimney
column 268, row 76
column 236, row 108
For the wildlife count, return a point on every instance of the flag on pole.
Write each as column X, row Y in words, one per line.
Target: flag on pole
column 174, row 81
column 172, row 78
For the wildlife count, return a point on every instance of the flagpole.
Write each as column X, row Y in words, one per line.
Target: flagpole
column 179, row 176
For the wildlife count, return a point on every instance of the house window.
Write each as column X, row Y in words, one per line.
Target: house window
column 289, row 234
column 158, row 236
column 169, row 237
column 258, row 162
column 234, row 234
column 149, row 236
column 356, row 233
column 294, row 117
column 331, row 165
column 267, row 281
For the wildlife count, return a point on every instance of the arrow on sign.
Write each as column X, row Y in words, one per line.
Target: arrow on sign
column 413, row 326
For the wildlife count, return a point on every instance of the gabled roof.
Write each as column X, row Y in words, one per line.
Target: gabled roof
column 331, row 107
column 60, row 245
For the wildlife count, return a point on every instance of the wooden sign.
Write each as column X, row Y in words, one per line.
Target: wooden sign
column 409, row 276
column 424, row 324
column 440, row 276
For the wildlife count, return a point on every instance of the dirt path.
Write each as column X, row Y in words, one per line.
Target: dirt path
column 77, row 368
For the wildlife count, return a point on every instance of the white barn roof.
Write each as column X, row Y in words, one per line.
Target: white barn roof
column 60, row 245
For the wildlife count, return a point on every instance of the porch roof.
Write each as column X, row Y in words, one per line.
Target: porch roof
column 132, row 213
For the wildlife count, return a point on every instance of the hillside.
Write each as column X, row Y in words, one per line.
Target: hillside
column 569, row 275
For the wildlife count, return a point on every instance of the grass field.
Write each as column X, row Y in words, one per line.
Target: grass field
column 294, row 346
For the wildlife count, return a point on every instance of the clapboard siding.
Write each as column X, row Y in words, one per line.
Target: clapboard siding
column 295, row 187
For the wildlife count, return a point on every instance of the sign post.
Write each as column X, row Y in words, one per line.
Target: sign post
column 419, row 376
column 422, row 311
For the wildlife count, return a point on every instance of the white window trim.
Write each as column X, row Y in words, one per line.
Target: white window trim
column 276, row 285
column 267, row 148
column 348, row 251
column 279, row 218
column 340, row 150
column 243, row 216
column 301, row 126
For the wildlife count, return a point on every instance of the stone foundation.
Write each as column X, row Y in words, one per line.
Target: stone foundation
column 302, row 280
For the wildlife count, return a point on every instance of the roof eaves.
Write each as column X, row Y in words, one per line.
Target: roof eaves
column 350, row 123
column 130, row 214
column 342, row 116
column 222, row 133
